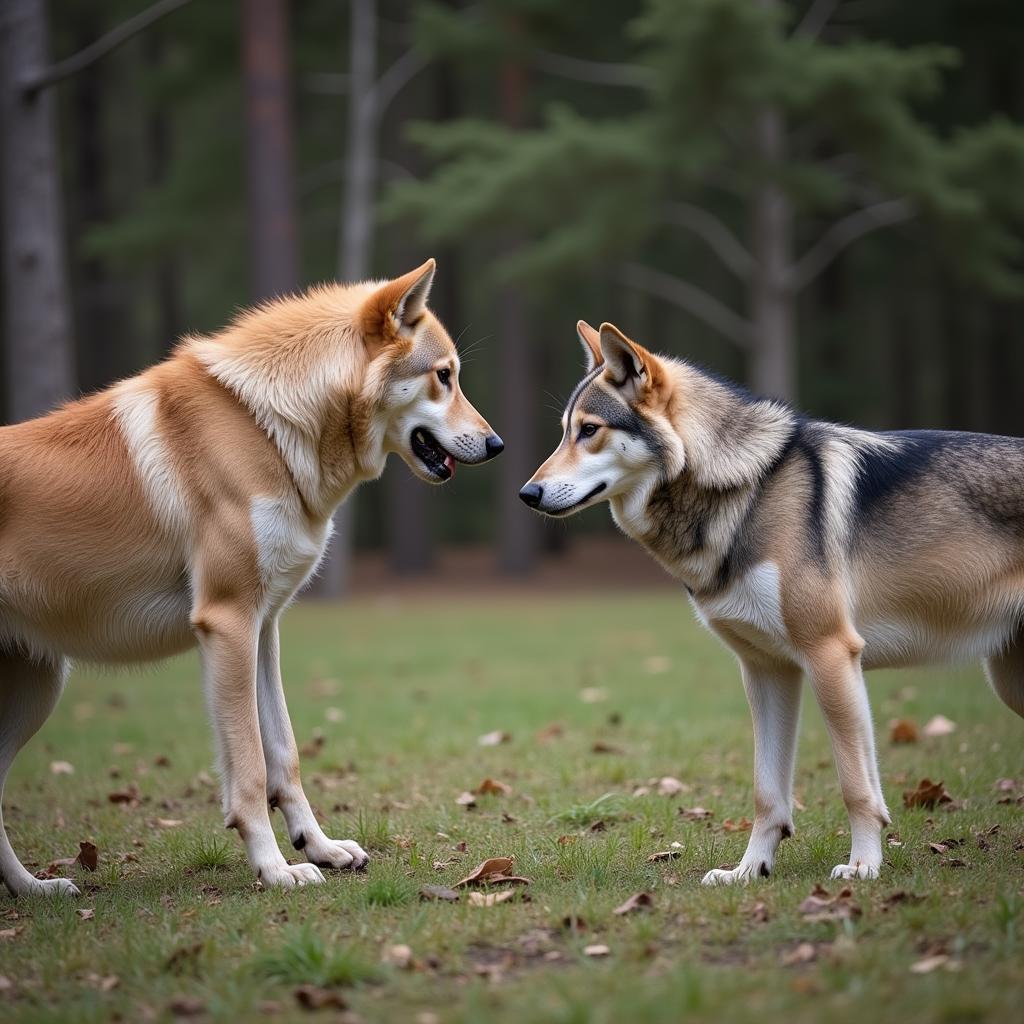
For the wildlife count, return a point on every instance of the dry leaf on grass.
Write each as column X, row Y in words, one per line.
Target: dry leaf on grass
column 899, row 897
column 9, row 934
column 600, row 747
column 6, row 985
column 821, row 906
column 62, row 768
column 86, row 913
column 637, row 902
column 493, row 871
column 552, row 731
column 166, row 822
column 440, row 893
column 466, row 799
column 313, row 997
column 573, row 923
column 490, row 899
column 740, row 825
column 597, row 950
column 593, row 695
column 759, row 913
column 933, row 963
column 314, row 745
column 668, row 786
column 128, row 797
column 804, row 953
column 102, row 982
column 902, row 730
column 928, row 795
column 399, row 956
column 88, row 856
column 940, row 725
column 493, row 787
column 676, row 850
column 494, row 739
column 695, row 813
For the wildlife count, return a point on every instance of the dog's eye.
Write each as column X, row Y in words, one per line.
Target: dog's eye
column 588, row 430
column 444, row 376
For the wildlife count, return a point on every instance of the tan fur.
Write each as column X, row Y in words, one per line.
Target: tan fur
column 188, row 504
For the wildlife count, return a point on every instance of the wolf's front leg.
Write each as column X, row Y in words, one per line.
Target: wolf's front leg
column 773, row 693
column 284, row 783
column 839, row 687
column 228, row 642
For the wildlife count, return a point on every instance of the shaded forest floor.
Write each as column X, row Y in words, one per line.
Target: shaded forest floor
column 598, row 698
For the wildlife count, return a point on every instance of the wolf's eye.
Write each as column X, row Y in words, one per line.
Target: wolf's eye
column 444, row 376
column 588, row 430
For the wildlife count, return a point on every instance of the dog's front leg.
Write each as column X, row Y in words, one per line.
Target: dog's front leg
column 284, row 783
column 773, row 692
column 228, row 639
column 839, row 687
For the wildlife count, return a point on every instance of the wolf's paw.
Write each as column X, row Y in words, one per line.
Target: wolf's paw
column 287, row 876
column 336, row 853
column 53, row 887
column 739, row 875
column 858, row 870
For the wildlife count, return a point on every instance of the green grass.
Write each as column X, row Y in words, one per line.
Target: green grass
column 177, row 914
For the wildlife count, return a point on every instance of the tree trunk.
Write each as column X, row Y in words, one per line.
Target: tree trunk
column 519, row 533
column 37, row 316
column 273, row 246
column 356, row 238
column 773, row 335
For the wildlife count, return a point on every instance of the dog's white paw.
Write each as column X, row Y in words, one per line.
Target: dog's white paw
column 287, row 876
column 50, row 887
column 858, row 870
column 739, row 875
column 336, row 853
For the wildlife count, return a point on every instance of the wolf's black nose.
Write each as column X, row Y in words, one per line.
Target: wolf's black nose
column 495, row 446
column 531, row 494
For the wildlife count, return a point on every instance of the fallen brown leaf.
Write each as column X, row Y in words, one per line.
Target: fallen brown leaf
column 668, row 786
column 485, row 871
column 438, row 892
column 573, row 923
column 695, row 813
column 900, row 896
column 466, row 799
column 742, row 825
column 62, row 768
column 902, row 730
column 821, row 906
column 313, row 745
column 129, row 796
column 665, row 855
column 600, row 747
column 597, row 950
column 593, row 695
column 553, row 731
column 313, row 997
column 929, row 964
column 928, row 794
column 399, row 956
column 599, row 826
column 804, row 953
column 102, row 982
column 490, row 899
column 637, row 902
column 493, row 787
column 9, row 934
column 88, row 856
column 86, row 913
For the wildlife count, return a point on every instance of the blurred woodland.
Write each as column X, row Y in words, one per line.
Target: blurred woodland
column 819, row 198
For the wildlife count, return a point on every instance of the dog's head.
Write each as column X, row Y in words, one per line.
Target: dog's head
column 421, row 411
column 617, row 440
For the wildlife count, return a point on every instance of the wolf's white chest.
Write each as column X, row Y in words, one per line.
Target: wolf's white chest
column 288, row 546
column 752, row 602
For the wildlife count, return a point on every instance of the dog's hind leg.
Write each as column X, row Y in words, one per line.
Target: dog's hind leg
column 284, row 782
column 773, row 692
column 1005, row 672
column 29, row 690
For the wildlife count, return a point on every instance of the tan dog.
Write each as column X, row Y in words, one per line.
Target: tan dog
column 188, row 504
column 808, row 547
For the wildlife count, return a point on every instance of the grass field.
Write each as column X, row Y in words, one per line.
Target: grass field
column 400, row 694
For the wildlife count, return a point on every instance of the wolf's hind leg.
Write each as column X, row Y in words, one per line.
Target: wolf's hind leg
column 1005, row 672
column 29, row 690
column 774, row 696
column 284, row 782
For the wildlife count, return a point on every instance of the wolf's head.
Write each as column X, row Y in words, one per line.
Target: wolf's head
column 421, row 411
column 617, row 439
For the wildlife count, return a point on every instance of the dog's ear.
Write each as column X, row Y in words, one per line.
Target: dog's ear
column 395, row 308
column 591, row 342
column 631, row 367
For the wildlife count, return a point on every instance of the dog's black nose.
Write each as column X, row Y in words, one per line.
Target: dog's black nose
column 495, row 446
column 532, row 494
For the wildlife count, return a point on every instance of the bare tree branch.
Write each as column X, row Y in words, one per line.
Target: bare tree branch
column 726, row 246
column 816, row 18
column 397, row 77
column 688, row 296
column 94, row 51
column 843, row 234
column 594, row 72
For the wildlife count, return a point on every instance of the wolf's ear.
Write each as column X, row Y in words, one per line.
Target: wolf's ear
column 395, row 307
column 591, row 342
column 631, row 367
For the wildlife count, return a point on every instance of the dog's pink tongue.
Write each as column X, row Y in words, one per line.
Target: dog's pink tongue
column 450, row 463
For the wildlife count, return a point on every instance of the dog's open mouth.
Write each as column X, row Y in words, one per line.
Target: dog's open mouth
column 433, row 456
